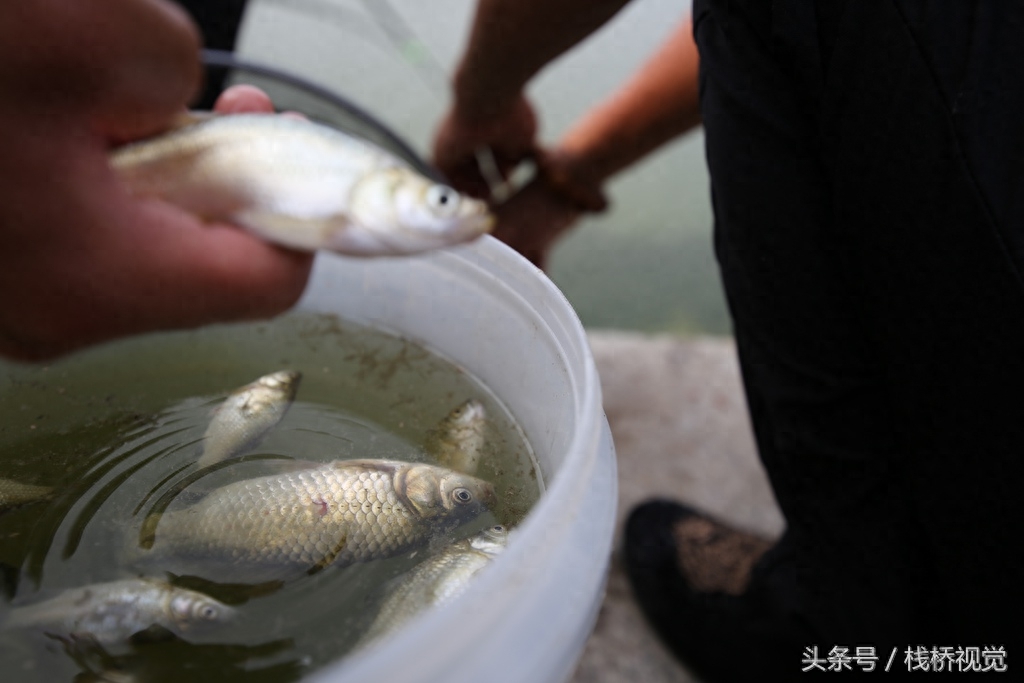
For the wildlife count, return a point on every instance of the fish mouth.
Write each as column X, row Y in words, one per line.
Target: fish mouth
column 475, row 226
column 477, row 217
column 474, row 411
column 288, row 379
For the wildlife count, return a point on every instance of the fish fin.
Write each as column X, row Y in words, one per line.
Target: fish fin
column 80, row 647
column 154, row 633
column 212, row 412
column 370, row 464
column 296, row 465
column 305, row 233
column 248, row 407
column 330, row 557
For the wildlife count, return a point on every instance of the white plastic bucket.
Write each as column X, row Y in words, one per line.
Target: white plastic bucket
column 527, row 617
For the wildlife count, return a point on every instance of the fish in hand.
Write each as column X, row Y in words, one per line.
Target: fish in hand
column 300, row 184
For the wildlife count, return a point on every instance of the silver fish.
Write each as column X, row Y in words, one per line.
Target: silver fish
column 286, row 525
column 300, row 184
column 247, row 415
column 437, row 580
column 110, row 613
column 460, row 438
column 13, row 493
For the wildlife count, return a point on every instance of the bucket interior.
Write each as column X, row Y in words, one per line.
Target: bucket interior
column 489, row 312
column 495, row 315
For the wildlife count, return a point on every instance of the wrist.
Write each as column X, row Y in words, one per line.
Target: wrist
column 478, row 103
column 574, row 179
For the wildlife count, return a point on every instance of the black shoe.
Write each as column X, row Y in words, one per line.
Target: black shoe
column 691, row 576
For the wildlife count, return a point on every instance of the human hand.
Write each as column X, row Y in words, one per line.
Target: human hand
column 540, row 213
column 81, row 260
column 549, row 205
column 120, row 69
column 533, row 219
column 509, row 132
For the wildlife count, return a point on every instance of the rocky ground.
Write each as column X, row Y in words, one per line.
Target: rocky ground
column 679, row 421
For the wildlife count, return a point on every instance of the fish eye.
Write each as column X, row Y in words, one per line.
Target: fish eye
column 462, row 495
column 208, row 612
column 498, row 529
column 442, row 199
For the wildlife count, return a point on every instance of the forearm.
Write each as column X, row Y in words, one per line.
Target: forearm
column 511, row 40
column 659, row 103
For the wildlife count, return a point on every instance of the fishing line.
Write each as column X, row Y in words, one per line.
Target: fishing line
column 358, row 23
column 408, row 44
column 382, row 21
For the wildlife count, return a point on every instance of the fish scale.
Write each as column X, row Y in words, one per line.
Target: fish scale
column 283, row 526
column 14, row 493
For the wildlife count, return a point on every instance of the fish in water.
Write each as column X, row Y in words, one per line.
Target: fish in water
column 300, row 184
column 437, row 580
column 13, row 493
column 459, row 439
column 286, row 525
column 247, row 415
column 110, row 613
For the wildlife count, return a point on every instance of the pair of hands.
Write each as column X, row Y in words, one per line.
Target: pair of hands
column 533, row 219
column 82, row 261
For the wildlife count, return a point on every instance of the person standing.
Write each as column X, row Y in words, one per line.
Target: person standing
column 865, row 168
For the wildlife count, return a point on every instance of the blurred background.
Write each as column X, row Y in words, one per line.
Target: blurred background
column 647, row 263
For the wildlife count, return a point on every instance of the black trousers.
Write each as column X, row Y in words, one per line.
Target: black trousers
column 867, row 168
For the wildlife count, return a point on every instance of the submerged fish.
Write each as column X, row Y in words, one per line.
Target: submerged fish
column 437, row 580
column 301, row 184
column 459, row 439
column 110, row 613
column 14, row 493
column 286, row 525
column 247, row 414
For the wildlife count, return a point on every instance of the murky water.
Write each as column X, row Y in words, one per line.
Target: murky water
column 116, row 430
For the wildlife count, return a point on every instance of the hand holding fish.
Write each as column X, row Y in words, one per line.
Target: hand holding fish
column 81, row 259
